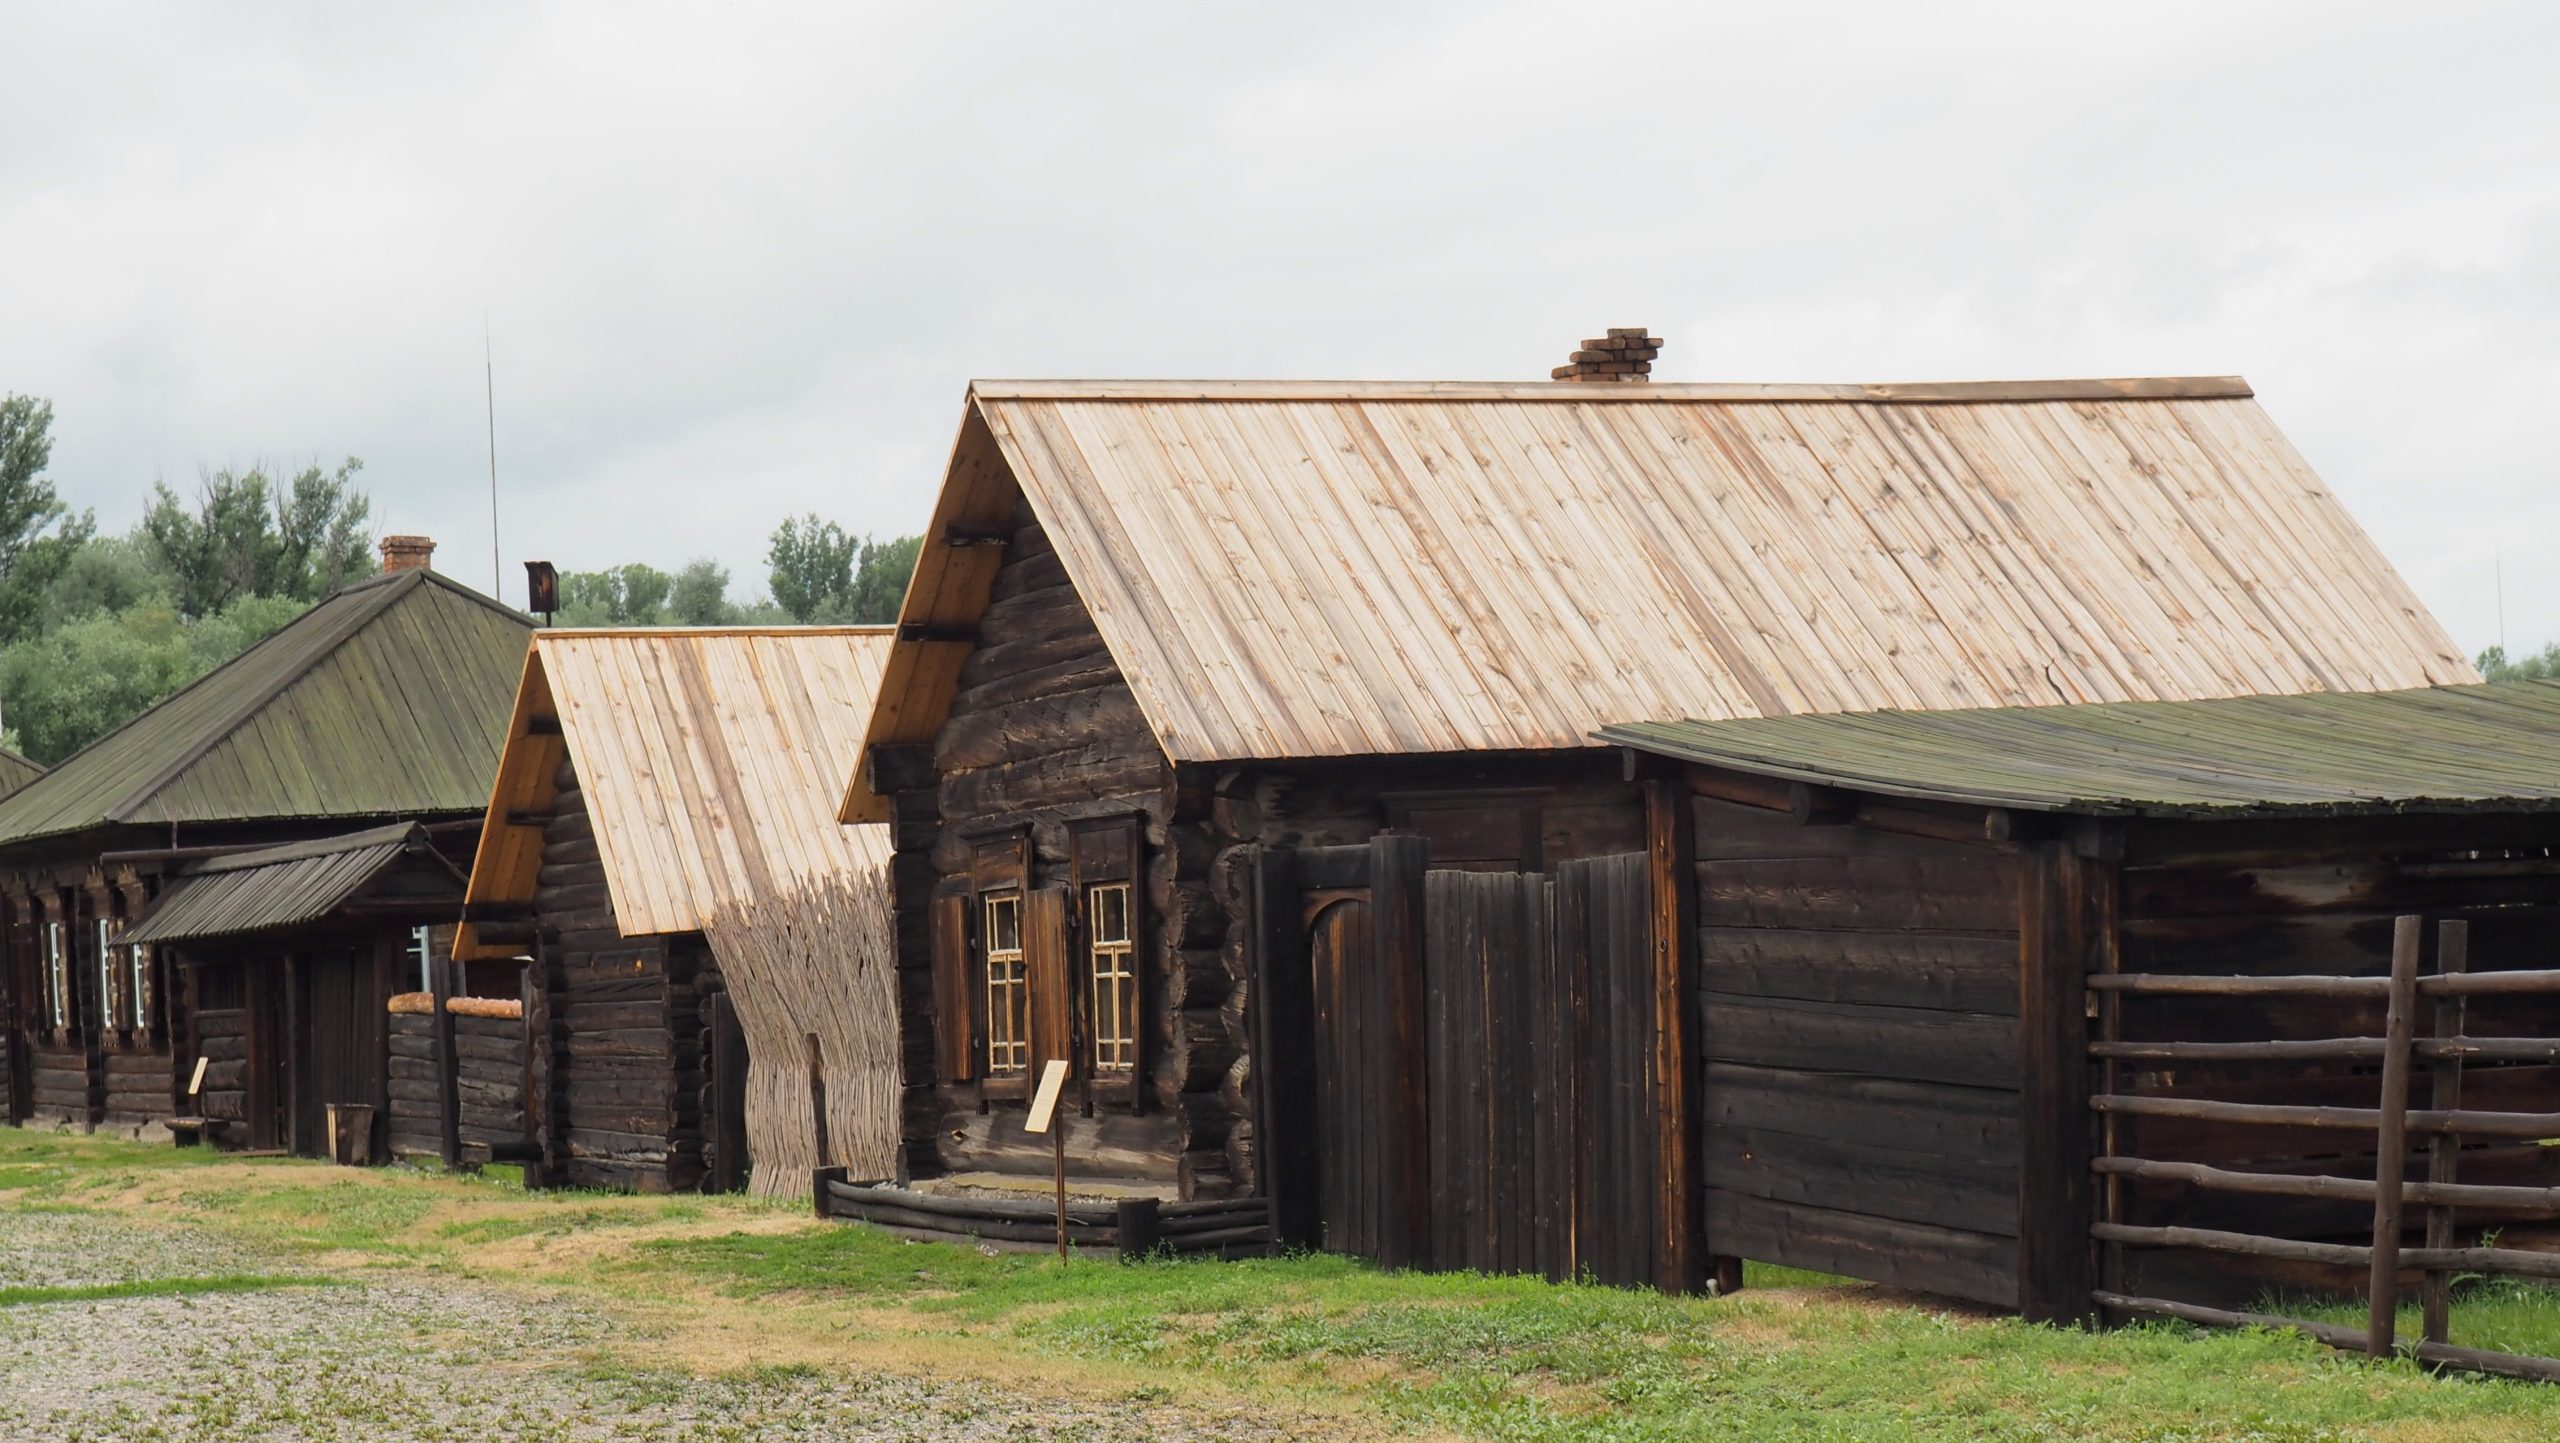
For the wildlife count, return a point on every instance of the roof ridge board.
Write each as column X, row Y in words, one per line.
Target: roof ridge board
column 783, row 632
column 471, row 594
column 2127, row 388
column 373, row 601
column 396, row 832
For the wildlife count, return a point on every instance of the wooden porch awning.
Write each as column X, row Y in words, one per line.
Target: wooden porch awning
column 277, row 887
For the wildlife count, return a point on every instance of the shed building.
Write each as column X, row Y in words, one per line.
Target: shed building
column 1904, row 924
column 290, row 956
column 1236, row 730
column 654, row 779
column 383, row 703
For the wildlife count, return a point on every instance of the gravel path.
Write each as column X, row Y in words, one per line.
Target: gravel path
column 416, row 1360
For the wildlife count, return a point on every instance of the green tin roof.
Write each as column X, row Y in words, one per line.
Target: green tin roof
column 2436, row 749
column 277, row 886
column 16, row 771
column 388, row 699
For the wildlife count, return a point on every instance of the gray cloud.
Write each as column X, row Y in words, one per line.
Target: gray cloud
column 738, row 261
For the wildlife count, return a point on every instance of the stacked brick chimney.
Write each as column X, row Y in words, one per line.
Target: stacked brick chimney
column 1625, row 354
column 407, row 553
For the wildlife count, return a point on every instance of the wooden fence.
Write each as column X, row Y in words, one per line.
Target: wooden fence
column 2444, row 1123
column 1130, row 1228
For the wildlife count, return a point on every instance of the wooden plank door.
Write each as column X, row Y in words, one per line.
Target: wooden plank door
column 726, row 1107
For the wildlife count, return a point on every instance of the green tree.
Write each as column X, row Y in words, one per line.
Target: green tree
column 249, row 535
column 812, row 562
column 38, row 534
column 81, row 680
column 824, row 573
column 700, row 596
column 2540, row 666
column 633, row 594
column 880, row 582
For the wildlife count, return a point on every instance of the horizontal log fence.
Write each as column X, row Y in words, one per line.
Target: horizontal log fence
column 1130, row 1228
column 2444, row 1124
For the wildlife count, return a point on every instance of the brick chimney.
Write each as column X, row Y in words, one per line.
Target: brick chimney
column 407, row 553
column 1625, row 354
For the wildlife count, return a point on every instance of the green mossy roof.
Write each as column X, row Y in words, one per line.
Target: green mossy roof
column 2489, row 747
column 388, row 699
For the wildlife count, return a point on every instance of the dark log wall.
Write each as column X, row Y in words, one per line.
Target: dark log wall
column 489, row 1063
column 222, row 1039
column 415, row 1128
column 2318, row 898
column 626, row 1024
column 1859, row 1025
column 1044, row 732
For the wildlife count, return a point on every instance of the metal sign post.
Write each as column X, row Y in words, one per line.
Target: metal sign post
column 1044, row 1118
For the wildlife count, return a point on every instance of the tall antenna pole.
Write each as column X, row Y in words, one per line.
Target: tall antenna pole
column 489, row 383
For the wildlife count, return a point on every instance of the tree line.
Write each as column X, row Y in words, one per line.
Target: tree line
column 97, row 628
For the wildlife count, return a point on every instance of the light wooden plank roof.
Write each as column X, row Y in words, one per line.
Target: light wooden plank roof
column 710, row 761
column 1309, row 569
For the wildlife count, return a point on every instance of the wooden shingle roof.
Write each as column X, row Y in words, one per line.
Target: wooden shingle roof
column 16, row 771
column 1305, row 569
column 709, row 759
column 388, row 699
column 2493, row 746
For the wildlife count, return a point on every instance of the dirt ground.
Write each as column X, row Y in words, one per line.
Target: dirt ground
column 417, row 1357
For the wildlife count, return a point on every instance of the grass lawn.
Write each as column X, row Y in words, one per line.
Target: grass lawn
column 723, row 1287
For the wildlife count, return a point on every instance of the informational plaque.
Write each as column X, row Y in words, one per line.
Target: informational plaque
column 1044, row 1103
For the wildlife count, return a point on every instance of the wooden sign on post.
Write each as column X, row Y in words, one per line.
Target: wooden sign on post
column 1044, row 1118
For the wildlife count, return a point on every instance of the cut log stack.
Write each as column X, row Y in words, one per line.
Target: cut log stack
column 1625, row 354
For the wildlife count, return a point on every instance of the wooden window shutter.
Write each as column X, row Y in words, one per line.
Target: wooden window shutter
column 1044, row 955
column 954, row 1048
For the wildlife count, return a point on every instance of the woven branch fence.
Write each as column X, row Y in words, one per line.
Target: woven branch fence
column 816, row 962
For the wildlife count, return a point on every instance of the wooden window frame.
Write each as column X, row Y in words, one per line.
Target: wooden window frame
column 1004, row 982
column 138, row 961
column 110, row 982
column 998, row 863
column 58, row 1005
column 1106, row 853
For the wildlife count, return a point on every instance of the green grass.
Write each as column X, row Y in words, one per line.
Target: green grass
column 155, row 1288
column 1509, row 1358
column 1794, row 1358
column 2505, row 1315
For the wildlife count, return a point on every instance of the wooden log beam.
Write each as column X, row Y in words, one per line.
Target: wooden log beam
column 2532, row 1125
column 2337, row 1189
column 2334, row 1049
column 2060, row 897
column 2513, row 1262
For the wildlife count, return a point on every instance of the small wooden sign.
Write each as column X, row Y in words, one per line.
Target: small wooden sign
column 1044, row 1103
column 195, row 1084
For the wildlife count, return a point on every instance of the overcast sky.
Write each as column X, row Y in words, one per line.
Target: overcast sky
column 738, row 261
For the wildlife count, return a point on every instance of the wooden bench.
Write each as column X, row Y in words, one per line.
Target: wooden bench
column 196, row 1131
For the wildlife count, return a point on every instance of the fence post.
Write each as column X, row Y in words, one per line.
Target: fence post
column 2444, row 1150
column 1139, row 1227
column 2391, row 1149
column 2054, row 1193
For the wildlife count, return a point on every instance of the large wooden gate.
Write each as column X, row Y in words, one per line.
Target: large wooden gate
column 1455, row 1068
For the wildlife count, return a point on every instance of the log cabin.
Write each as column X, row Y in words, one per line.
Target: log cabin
column 383, row 703
column 1232, row 726
column 289, row 957
column 1915, row 944
column 652, row 778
